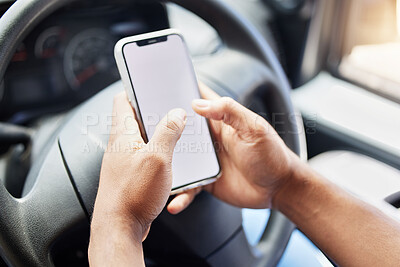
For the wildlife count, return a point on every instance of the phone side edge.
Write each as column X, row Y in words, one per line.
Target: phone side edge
column 195, row 185
column 127, row 83
column 214, row 178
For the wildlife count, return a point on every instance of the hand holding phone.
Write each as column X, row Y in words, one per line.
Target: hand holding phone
column 158, row 76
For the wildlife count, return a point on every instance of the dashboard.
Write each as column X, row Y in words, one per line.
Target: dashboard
column 69, row 57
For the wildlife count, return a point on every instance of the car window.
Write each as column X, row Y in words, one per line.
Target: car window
column 371, row 45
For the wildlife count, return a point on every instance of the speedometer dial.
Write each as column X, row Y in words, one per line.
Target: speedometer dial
column 89, row 57
column 48, row 42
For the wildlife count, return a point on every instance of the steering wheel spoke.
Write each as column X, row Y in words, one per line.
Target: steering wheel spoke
column 30, row 225
column 237, row 73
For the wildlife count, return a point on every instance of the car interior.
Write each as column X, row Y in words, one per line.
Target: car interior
column 324, row 73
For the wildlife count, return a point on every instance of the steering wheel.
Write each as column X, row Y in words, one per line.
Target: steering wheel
column 64, row 184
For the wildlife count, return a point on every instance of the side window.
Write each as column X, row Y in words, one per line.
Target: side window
column 371, row 46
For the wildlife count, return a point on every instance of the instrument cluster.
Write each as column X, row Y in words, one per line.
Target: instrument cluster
column 69, row 58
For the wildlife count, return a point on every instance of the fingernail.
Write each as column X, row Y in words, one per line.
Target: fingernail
column 201, row 103
column 180, row 113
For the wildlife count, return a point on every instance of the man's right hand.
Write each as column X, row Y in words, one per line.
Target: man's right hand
column 255, row 161
column 259, row 171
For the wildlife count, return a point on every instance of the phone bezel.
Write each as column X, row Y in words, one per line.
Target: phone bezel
column 128, row 85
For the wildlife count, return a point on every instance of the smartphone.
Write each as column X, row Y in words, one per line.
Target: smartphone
column 158, row 75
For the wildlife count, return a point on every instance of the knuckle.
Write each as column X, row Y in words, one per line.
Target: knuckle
column 227, row 118
column 157, row 160
column 173, row 125
column 260, row 127
column 227, row 102
column 227, row 109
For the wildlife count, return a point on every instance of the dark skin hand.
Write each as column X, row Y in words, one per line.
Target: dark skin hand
column 135, row 185
column 245, row 181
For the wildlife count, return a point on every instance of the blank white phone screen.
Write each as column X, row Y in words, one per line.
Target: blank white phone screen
column 163, row 78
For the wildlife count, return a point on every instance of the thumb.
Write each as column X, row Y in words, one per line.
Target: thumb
column 169, row 130
column 225, row 109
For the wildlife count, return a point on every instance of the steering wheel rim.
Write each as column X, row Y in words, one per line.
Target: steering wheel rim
column 242, row 40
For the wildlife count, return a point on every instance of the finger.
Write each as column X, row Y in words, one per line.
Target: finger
column 169, row 130
column 124, row 120
column 182, row 201
column 207, row 93
column 227, row 110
